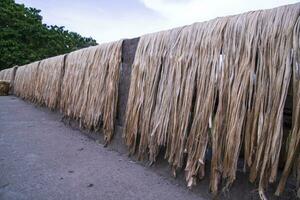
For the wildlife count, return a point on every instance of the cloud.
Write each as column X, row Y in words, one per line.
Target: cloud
column 103, row 20
column 184, row 12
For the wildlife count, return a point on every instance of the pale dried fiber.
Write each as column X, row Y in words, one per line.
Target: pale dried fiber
column 294, row 142
column 7, row 74
column 48, row 81
column 89, row 91
column 224, row 81
column 272, row 81
column 144, row 89
column 25, row 81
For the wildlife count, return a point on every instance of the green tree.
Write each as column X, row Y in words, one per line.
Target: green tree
column 24, row 38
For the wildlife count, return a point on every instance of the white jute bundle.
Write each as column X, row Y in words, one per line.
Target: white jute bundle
column 89, row 90
column 7, row 74
column 293, row 158
column 217, row 84
column 146, row 72
column 25, row 81
column 48, row 81
column 4, row 88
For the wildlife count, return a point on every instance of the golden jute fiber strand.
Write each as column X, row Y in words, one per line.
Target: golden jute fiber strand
column 9, row 75
column 89, row 90
column 4, row 88
column 294, row 144
column 6, row 74
column 150, row 49
column 48, row 81
column 25, row 81
column 216, row 84
column 273, row 76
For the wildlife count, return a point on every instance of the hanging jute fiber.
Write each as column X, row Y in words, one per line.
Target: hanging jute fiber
column 48, row 81
column 90, row 86
column 293, row 156
column 25, row 81
column 8, row 75
column 4, row 88
column 219, row 85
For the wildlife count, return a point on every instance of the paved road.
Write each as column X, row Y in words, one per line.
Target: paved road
column 41, row 158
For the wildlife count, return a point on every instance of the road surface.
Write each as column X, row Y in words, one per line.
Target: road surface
column 41, row 158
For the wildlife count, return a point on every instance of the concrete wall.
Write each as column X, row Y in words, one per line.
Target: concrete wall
column 128, row 52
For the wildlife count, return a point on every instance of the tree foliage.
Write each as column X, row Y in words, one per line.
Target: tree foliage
column 24, row 38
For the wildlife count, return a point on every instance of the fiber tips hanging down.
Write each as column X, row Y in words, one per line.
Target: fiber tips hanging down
column 25, row 81
column 89, row 91
column 82, row 84
column 40, row 81
column 7, row 74
column 219, row 85
column 48, row 81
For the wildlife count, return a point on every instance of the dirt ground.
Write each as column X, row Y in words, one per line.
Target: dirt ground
column 43, row 158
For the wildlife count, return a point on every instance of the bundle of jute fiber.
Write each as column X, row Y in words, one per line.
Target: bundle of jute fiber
column 148, row 69
column 167, row 74
column 4, row 88
column 294, row 141
column 218, row 83
column 25, row 81
column 272, row 77
column 90, row 86
column 7, row 74
column 48, row 81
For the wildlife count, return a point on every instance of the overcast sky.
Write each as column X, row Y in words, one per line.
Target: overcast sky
column 108, row 20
